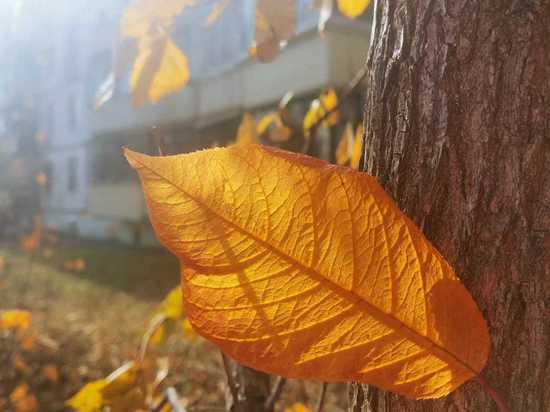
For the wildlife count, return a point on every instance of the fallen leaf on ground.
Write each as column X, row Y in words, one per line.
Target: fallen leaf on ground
column 297, row 407
column 51, row 373
column 15, row 319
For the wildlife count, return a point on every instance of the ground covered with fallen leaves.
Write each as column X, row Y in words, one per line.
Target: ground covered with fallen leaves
column 90, row 305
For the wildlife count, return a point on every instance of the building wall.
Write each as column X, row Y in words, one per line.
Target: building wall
column 82, row 61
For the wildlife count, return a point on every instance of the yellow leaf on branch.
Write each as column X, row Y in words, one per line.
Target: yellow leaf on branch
column 329, row 100
column 352, row 8
column 160, row 68
column 172, row 305
column 119, row 391
column 345, row 146
column 357, row 147
column 272, row 125
column 188, row 330
column 308, row 270
column 89, row 398
column 247, row 130
column 318, row 109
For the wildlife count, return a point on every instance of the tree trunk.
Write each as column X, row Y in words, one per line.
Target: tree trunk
column 458, row 131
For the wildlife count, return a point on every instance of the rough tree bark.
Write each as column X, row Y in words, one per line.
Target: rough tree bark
column 458, row 131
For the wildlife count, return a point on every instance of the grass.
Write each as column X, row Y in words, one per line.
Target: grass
column 90, row 322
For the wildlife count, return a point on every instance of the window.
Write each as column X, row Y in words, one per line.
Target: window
column 49, row 172
column 72, row 175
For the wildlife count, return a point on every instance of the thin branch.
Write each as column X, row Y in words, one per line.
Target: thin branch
column 155, row 323
column 233, row 387
column 158, row 139
column 321, row 399
column 275, row 393
column 174, row 400
column 346, row 93
column 493, row 393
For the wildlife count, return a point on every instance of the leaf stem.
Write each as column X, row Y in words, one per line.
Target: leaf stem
column 275, row 393
column 230, row 378
column 493, row 393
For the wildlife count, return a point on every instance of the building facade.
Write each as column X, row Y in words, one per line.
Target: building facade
column 92, row 192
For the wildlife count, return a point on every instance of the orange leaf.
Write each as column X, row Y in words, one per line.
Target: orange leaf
column 297, row 407
column 20, row 364
column 3, row 264
column 51, row 372
column 32, row 241
column 27, row 343
column 309, row 270
column 15, row 319
column 41, row 179
column 79, row 264
column 23, row 399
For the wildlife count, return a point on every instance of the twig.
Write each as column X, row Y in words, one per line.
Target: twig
column 174, row 400
column 158, row 138
column 155, row 323
column 233, row 387
column 275, row 393
column 321, row 400
column 493, row 393
column 346, row 93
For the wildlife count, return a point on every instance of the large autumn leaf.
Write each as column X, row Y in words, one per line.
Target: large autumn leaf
column 308, row 270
